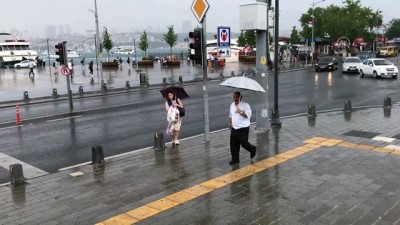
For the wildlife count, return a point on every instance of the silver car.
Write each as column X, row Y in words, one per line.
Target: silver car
column 23, row 64
column 351, row 64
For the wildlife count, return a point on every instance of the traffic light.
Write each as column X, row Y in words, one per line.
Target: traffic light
column 196, row 46
column 60, row 52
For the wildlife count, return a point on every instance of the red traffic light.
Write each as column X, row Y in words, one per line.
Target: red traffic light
column 60, row 48
column 196, row 34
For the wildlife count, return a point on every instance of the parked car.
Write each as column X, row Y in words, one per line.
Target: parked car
column 326, row 63
column 351, row 64
column 23, row 64
column 378, row 68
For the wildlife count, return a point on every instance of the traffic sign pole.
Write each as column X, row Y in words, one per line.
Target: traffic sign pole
column 199, row 9
column 205, row 81
column 71, row 105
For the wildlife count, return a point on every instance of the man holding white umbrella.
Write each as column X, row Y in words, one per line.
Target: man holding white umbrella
column 239, row 123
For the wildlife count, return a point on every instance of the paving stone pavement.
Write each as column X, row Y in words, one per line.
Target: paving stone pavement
column 330, row 178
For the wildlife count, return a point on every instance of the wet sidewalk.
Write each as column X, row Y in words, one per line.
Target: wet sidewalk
column 337, row 169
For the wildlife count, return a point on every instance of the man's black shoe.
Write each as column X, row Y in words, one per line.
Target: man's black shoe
column 233, row 162
column 253, row 153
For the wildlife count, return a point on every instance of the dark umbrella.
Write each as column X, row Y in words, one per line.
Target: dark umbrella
column 179, row 92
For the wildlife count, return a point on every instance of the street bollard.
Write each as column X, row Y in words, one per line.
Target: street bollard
column 387, row 103
column 16, row 175
column 92, row 80
column 128, row 85
column 104, row 88
column 142, row 77
column 81, row 90
column 232, row 73
column 164, row 81
column 221, row 75
column 17, row 115
column 347, row 106
column 55, row 94
column 159, row 143
column 180, row 79
column 311, row 111
column 387, row 112
column 26, row 97
column 97, row 155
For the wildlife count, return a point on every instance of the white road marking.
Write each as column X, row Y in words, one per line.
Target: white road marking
column 393, row 147
column 385, row 139
column 29, row 170
column 4, row 128
column 73, row 117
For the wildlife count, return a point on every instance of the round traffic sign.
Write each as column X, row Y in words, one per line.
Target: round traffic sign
column 65, row 70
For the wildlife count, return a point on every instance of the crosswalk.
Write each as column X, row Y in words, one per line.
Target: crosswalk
column 29, row 170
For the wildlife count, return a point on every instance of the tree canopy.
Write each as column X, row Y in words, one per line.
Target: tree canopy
column 294, row 36
column 247, row 38
column 170, row 37
column 144, row 43
column 350, row 20
column 107, row 42
column 393, row 29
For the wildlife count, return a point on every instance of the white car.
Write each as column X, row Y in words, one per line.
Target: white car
column 23, row 64
column 351, row 64
column 378, row 68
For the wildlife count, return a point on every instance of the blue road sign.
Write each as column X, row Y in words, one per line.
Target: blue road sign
column 224, row 37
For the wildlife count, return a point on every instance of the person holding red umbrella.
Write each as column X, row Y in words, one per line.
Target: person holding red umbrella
column 174, row 120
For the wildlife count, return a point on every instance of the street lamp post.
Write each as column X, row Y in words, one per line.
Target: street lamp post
column 98, row 42
column 312, row 30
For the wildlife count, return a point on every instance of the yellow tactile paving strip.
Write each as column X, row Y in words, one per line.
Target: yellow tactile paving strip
column 170, row 201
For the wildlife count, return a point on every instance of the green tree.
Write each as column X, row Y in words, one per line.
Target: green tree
column 241, row 40
column 350, row 20
column 144, row 43
column 250, row 37
column 170, row 37
column 107, row 42
column 394, row 29
column 294, row 36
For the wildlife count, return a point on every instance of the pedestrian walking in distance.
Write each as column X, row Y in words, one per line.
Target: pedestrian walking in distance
column 31, row 65
column 83, row 63
column 239, row 123
column 91, row 68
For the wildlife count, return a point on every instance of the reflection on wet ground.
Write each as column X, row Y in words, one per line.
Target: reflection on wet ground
column 14, row 81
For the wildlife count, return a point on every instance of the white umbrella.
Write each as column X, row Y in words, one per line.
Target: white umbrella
column 243, row 82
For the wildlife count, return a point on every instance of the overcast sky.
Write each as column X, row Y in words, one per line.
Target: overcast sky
column 153, row 15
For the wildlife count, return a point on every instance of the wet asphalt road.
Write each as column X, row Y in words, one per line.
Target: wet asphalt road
column 51, row 145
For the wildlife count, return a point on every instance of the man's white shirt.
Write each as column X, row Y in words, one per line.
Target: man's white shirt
column 239, row 121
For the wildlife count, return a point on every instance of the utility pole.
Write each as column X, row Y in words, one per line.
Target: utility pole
column 136, row 62
column 312, row 31
column 275, row 120
column 48, row 55
column 99, row 45
column 261, row 66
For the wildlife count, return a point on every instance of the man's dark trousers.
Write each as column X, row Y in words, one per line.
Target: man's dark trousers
column 31, row 71
column 240, row 137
